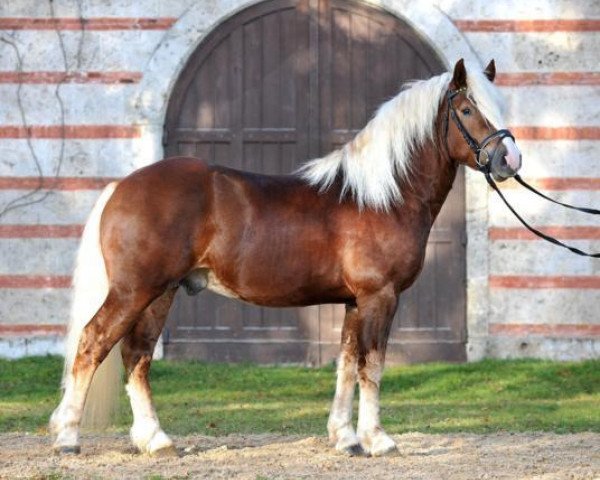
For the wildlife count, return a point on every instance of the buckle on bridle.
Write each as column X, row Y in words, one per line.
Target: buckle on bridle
column 482, row 158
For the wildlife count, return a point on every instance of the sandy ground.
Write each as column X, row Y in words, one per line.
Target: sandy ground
column 261, row 457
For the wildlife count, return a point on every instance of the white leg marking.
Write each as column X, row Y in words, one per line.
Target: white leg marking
column 339, row 425
column 64, row 422
column 372, row 437
column 146, row 433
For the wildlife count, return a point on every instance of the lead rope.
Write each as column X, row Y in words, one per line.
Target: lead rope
column 591, row 211
column 546, row 237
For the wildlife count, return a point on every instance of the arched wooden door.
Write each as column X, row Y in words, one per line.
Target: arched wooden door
column 279, row 83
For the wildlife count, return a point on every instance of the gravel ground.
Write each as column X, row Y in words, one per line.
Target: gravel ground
column 453, row 456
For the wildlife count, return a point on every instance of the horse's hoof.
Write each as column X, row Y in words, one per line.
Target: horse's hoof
column 355, row 450
column 73, row 450
column 165, row 452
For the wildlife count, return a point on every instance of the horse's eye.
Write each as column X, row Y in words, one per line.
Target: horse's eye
column 466, row 111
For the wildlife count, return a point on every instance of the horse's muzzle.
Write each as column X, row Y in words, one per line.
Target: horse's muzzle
column 505, row 161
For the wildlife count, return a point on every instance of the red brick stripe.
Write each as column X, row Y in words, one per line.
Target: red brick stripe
column 557, row 25
column 31, row 329
column 35, row 281
column 97, row 23
column 559, row 330
column 133, row 131
column 53, row 183
column 556, row 133
column 524, row 281
column 40, row 231
column 523, row 79
column 568, row 183
column 70, row 77
column 70, row 131
column 519, row 233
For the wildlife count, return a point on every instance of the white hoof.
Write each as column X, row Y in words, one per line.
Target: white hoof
column 149, row 438
column 66, row 432
column 378, row 444
column 160, row 444
column 345, row 440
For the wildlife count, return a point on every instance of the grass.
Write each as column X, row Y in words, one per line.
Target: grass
column 218, row 399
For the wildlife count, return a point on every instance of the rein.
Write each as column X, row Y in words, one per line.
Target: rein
column 484, row 167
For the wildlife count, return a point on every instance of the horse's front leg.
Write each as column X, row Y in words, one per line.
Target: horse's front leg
column 137, row 349
column 339, row 426
column 376, row 313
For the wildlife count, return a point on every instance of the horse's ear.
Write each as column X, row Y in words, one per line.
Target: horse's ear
column 459, row 77
column 490, row 71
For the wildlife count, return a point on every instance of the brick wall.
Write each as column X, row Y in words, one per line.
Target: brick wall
column 83, row 102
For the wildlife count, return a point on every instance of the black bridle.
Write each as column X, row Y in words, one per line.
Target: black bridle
column 483, row 163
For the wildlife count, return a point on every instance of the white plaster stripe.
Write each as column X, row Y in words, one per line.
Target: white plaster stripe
column 539, row 211
column 543, row 347
column 53, row 256
column 59, row 207
column 578, row 106
column 96, row 8
column 518, row 257
column 82, row 157
column 101, row 51
column 83, row 103
column 559, row 158
column 519, row 10
column 530, row 52
column 31, row 346
column 45, row 305
column 551, row 307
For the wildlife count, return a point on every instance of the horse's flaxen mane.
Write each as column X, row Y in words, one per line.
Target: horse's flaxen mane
column 379, row 156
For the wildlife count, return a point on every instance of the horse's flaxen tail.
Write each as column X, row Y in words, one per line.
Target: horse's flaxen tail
column 90, row 288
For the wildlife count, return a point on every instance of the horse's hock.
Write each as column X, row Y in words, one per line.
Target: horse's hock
column 276, row 84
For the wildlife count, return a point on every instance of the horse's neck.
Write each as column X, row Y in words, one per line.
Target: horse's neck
column 431, row 179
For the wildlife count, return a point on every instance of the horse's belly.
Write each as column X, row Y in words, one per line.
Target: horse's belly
column 277, row 294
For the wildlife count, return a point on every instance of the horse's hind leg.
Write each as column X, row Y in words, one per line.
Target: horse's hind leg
column 137, row 348
column 339, row 426
column 376, row 313
column 114, row 318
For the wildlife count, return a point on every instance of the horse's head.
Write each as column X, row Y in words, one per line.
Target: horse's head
column 475, row 134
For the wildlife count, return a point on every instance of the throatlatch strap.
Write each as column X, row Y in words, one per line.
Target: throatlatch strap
column 591, row 211
column 548, row 238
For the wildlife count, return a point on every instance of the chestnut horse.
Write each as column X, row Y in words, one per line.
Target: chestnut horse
column 350, row 228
